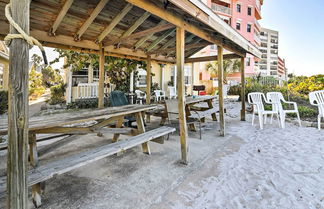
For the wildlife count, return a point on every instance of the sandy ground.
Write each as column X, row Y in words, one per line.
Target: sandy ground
column 249, row 168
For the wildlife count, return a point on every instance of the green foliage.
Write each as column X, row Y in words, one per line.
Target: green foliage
column 36, row 88
column 86, row 103
column 306, row 112
column 3, row 101
column 154, row 86
column 230, row 66
column 304, row 85
column 51, row 77
column 57, row 94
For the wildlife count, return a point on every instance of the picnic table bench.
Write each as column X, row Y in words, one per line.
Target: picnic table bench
column 69, row 123
column 192, row 111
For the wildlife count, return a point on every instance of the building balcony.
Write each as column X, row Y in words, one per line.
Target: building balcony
column 220, row 9
column 257, row 39
column 258, row 10
column 257, row 25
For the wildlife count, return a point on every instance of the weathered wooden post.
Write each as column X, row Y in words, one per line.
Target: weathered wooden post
column 180, row 54
column 18, row 110
column 220, row 90
column 101, row 76
column 243, row 89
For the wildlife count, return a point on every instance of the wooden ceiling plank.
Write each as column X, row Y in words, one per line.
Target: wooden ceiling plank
column 90, row 19
column 180, row 22
column 160, row 39
column 189, row 46
column 60, row 16
column 140, row 34
column 114, row 22
column 144, row 39
column 137, row 23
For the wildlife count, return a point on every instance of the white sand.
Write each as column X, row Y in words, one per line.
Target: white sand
column 275, row 168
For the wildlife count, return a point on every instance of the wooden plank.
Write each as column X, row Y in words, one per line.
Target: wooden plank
column 101, row 90
column 75, row 117
column 173, row 40
column 17, row 164
column 180, row 43
column 119, row 124
column 198, row 99
column 90, row 19
column 181, row 22
column 137, row 23
column 60, row 16
column 148, row 80
column 243, row 89
column 144, row 39
column 160, row 39
column 47, row 171
column 212, row 109
column 220, row 90
column 114, row 22
column 211, row 58
column 171, row 50
column 141, row 130
column 140, row 34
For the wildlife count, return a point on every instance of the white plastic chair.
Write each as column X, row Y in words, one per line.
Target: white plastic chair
column 172, row 109
column 256, row 99
column 172, row 92
column 159, row 95
column 140, row 96
column 317, row 98
column 276, row 98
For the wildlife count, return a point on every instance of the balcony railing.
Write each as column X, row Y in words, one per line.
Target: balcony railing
column 257, row 24
column 257, row 38
column 219, row 8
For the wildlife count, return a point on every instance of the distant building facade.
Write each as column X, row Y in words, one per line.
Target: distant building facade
column 243, row 16
column 271, row 64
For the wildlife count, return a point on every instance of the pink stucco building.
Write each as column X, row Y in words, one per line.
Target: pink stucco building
column 243, row 15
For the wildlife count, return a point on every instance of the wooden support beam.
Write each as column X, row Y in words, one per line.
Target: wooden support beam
column 17, row 193
column 148, row 79
column 137, row 23
column 190, row 46
column 90, row 19
column 243, row 88
column 220, row 90
column 211, row 58
column 173, row 40
column 114, row 22
column 141, row 34
column 181, row 22
column 101, row 76
column 60, row 16
column 144, row 39
column 160, row 39
column 180, row 43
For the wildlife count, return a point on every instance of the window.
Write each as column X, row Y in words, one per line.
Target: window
column 187, row 75
column 213, row 47
column 248, row 28
column 141, row 78
column 238, row 26
column 238, row 8
column 249, row 11
column 173, row 75
column 248, row 61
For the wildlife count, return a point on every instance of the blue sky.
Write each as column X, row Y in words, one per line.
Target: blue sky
column 301, row 33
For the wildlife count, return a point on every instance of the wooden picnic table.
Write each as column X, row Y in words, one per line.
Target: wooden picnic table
column 74, row 123
column 204, row 111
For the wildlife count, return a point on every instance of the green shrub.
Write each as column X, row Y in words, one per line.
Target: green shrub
column 3, row 101
column 86, row 103
column 57, row 94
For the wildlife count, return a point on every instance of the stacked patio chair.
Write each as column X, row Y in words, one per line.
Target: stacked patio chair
column 276, row 98
column 159, row 95
column 256, row 100
column 140, row 96
column 173, row 114
column 316, row 98
column 172, row 92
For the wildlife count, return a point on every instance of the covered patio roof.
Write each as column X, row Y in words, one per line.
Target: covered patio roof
column 129, row 28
